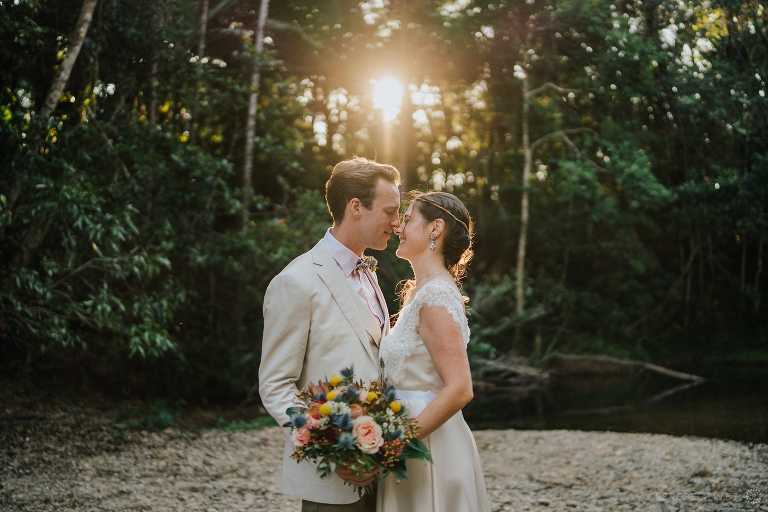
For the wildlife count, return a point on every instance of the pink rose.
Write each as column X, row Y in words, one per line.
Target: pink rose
column 301, row 436
column 368, row 436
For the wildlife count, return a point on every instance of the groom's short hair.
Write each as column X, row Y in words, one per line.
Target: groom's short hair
column 352, row 178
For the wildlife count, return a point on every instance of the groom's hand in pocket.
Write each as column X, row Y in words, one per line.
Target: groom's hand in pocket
column 359, row 479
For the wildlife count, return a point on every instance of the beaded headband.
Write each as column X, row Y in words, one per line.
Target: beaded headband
column 437, row 205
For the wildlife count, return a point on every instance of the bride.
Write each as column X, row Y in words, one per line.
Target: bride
column 425, row 358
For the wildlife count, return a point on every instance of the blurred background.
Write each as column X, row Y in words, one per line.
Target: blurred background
column 614, row 154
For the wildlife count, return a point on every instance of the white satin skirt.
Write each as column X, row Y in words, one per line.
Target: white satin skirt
column 452, row 482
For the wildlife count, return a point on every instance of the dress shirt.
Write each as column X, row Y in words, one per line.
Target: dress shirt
column 361, row 281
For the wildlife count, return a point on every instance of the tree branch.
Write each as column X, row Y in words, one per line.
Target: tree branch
column 548, row 86
column 274, row 25
column 562, row 134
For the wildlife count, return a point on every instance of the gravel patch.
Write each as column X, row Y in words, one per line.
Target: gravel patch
column 76, row 460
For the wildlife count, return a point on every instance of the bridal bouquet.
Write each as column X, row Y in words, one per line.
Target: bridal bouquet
column 357, row 425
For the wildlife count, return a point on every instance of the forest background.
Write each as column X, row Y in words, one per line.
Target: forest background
column 162, row 160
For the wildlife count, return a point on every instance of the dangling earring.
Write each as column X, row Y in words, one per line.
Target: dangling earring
column 432, row 244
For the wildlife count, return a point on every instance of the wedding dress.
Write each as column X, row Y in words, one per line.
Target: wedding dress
column 453, row 481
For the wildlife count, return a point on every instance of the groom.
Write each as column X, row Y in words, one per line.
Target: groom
column 325, row 311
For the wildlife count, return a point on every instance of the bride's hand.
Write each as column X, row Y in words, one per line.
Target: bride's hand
column 359, row 479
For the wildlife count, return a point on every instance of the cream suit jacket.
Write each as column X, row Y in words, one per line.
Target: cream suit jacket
column 315, row 324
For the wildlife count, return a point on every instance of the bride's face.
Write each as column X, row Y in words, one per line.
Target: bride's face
column 414, row 234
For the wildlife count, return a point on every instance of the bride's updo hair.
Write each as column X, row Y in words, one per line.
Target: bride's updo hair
column 459, row 232
column 458, row 235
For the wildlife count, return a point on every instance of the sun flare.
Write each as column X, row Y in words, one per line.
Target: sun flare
column 387, row 96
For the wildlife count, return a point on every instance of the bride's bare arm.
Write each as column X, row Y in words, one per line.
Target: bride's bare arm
column 442, row 337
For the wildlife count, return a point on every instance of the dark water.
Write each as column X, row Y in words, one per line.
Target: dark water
column 731, row 404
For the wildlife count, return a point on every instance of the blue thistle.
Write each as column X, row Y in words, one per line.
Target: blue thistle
column 348, row 373
column 320, row 397
column 390, row 394
column 350, row 395
column 346, row 441
column 343, row 421
column 392, row 435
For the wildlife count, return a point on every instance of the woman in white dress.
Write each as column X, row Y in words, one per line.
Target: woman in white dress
column 425, row 358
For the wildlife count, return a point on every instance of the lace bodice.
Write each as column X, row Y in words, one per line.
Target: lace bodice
column 407, row 363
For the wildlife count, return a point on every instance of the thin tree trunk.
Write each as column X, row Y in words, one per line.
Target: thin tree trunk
column 523, row 237
column 202, row 27
column 743, row 271
column 408, row 176
column 743, row 276
column 38, row 231
column 158, row 21
column 567, row 250
column 76, row 39
column 153, row 83
column 758, row 273
column 250, row 130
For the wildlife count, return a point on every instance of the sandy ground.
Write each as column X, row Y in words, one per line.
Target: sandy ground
column 74, row 459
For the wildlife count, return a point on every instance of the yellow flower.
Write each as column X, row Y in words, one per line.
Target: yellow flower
column 331, row 395
column 395, row 406
column 165, row 107
column 335, row 380
column 372, row 396
column 325, row 409
column 217, row 138
column 184, row 137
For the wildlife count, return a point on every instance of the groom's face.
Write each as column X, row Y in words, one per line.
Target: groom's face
column 380, row 221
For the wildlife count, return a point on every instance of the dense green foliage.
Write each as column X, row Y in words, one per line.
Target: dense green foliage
column 123, row 252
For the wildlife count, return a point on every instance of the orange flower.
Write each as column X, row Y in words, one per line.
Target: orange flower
column 355, row 410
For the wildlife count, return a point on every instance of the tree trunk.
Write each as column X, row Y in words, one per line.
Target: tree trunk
column 523, row 238
column 408, row 177
column 250, row 130
column 157, row 21
column 76, row 39
column 37, row 232
column 743, row 277
column 202, row 27
column 758, row 273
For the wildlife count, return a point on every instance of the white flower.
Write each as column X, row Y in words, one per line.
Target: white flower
column 519, row 72
column 668, row 36
column 110, row 89
column 339, row 407
column 704, row 45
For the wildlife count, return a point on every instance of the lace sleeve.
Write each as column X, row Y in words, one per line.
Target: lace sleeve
column 444, row 294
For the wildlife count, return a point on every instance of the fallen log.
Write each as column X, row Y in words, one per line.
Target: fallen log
column 573, row 364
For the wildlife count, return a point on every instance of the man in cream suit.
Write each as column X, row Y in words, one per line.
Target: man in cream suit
column 325, row 311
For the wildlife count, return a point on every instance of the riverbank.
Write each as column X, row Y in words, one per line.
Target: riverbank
column 70, row 458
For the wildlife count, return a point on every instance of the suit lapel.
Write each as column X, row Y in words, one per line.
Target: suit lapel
column 351, row 305
column 382, row 303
